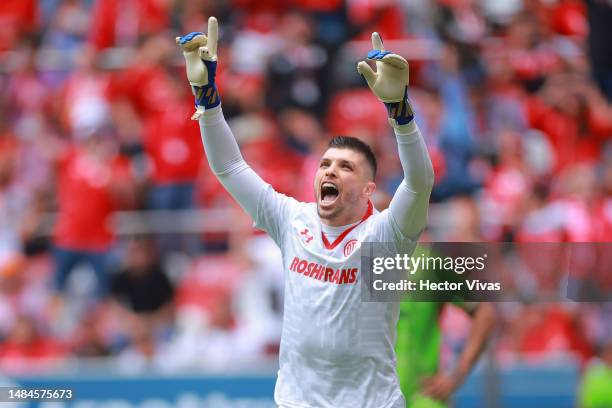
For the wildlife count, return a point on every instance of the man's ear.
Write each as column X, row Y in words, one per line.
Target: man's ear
column 369, row 188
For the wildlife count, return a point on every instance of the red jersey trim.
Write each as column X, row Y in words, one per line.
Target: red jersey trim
column 347, row 231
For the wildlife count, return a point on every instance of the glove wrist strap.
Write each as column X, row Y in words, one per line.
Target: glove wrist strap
column 207, row 96
column 400, row 112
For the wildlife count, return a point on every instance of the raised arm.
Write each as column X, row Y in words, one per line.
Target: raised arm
column 411, row 200
column 256, row 197
column 226, row 162
column 389, row 83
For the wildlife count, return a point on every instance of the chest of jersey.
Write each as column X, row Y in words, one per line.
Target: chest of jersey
column 312, row 257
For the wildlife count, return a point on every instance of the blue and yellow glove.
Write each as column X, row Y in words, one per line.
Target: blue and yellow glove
column 389, row 82
column 200, row 52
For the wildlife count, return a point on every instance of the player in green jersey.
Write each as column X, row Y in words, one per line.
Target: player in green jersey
column 418, row 351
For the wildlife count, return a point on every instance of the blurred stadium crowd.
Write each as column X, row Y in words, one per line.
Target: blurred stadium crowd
column 513, row 97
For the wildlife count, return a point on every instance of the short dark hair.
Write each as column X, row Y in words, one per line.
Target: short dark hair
column 349, row 142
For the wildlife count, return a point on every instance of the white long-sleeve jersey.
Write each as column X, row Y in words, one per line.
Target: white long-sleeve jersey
column 336, row 351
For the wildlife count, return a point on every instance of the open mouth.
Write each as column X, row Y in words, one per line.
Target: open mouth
column 329, row 193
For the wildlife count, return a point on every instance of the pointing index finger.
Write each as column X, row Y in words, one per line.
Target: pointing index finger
column 213, row 35
column 377, row 43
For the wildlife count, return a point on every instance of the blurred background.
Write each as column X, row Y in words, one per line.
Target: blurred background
column 128, row 273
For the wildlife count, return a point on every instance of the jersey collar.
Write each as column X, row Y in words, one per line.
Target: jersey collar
column 347, row 231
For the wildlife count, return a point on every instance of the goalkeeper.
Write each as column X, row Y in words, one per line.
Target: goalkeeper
column 336, row 351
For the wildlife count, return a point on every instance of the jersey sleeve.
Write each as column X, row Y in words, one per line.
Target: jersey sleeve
column 385, row 229
column 408, row 209
column 274, row 212
column 406, row 217
column 269, row 209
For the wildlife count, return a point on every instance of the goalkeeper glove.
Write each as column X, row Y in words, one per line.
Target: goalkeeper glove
column 389, row 83
column 200, row 53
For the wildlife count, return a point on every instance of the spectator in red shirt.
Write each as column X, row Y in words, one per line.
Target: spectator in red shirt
column 121, row 23
column 171, row 142
column 174, row 147
column 17, row 18
column 145, row 81
column 93, row 181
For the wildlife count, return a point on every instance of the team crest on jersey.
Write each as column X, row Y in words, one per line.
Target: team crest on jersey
column 349, row 247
